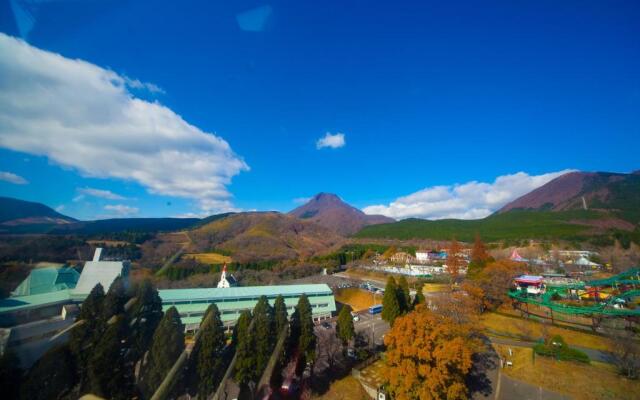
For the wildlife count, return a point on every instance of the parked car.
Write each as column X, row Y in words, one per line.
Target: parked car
column 326, row 325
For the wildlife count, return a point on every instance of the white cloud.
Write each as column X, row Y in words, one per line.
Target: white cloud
column 121, row 210
column 12, row 178
column 82, row 116
column 60, row 208
column 471, row 200
column 301, row 200
column 103, row 194
column 333, row 141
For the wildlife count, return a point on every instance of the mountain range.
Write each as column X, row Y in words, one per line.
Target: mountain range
column 574, row 204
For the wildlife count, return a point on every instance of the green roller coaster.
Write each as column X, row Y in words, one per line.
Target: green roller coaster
column 625, row 287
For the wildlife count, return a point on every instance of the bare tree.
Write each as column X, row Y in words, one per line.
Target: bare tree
column 625, row 349
column 331, row 348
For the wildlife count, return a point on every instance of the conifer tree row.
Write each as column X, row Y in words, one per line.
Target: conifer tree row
column 209, row 352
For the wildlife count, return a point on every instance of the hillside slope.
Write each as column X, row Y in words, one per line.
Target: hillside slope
column 263, row 236
column 330, row 211
column 15, row 213
column 617, row 194
column 516, row 224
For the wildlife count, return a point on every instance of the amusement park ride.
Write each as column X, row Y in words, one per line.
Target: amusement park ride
column 616, row 296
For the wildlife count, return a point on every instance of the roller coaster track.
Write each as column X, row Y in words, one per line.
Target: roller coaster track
column 605, row 308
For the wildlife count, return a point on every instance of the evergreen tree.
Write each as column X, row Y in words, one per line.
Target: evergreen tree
column 245, row 370
column 84, row 336
column 419, row 298
column 302, row 328
column 390, row 306
column 242, row 327
column 210, row 352
column 110, row 373
column 146, row 315
column 280, row 313
column 263, row 333
column 344, row 327
column 51, row 377
column 10, row 374
column 404, row 296
column 115, row 299
column 166, row 346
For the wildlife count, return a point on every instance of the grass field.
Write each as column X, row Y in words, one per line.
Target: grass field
column 358, row 299
column 347, row 388
column 435, row 287
column 514, row 326
column 209, row 258
column 580, row 381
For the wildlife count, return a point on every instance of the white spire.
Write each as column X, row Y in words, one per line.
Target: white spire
column 224, row 283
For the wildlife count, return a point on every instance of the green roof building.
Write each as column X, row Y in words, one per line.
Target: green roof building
column 192, row 303
column 47, row 280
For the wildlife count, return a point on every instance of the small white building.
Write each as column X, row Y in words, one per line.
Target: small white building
column 226, row 281
column 422, row 257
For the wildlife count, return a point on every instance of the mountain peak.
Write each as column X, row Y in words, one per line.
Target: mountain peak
column 327, row 197
column 330, row 211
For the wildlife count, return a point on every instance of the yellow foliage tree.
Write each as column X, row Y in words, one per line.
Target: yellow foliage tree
column 428, row 356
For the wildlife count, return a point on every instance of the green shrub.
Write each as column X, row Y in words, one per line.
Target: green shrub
column 557, row 348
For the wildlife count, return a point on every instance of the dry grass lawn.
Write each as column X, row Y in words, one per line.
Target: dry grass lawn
column 347, row 388
column 580, row 381
column 358, row 299
column 210, row 258
column 523, row 327
column 435, row 287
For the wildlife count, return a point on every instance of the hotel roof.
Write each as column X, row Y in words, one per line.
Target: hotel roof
column 169, row 295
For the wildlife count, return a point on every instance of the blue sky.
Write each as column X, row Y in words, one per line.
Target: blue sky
column 440, row 105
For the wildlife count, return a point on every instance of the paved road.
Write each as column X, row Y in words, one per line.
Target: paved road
column 372, row 326
column 487, row 382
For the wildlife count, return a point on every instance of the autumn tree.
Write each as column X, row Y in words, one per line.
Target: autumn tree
column 457, row 306
column 479, row 256
column 428, row 357
column 344, row 326
column 495, row 280
column 390, row 305
column 454, row 261
column 389, row 252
